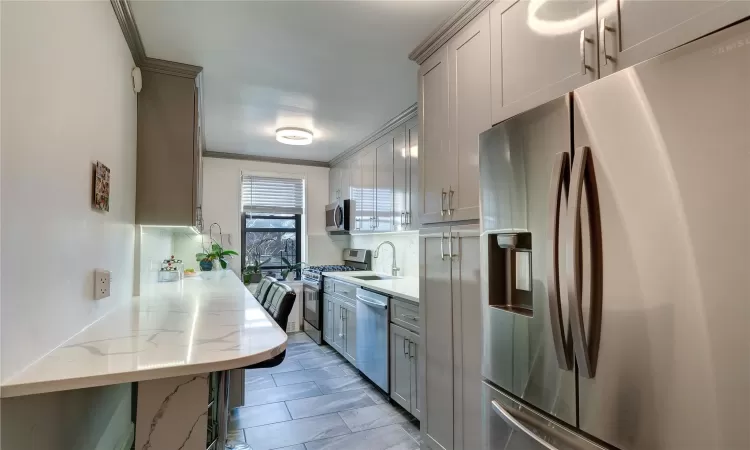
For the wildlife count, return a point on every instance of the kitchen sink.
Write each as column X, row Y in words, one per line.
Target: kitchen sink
column 373, row 277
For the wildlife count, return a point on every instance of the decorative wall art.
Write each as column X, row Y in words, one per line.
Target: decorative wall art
column 100, row 198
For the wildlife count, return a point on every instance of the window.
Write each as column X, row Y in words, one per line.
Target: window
column 272, row 222
column 272, row 238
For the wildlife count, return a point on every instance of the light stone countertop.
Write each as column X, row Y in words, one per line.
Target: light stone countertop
column 197, row 325
column 406, row 288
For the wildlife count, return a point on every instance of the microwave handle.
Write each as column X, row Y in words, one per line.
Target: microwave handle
column 335, row 214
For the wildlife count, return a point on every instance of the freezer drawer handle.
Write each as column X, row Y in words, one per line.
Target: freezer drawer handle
column 586, row 348
column 558, row 192
column 516, row 424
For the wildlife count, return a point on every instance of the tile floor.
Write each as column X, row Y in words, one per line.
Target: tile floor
column 316, row 400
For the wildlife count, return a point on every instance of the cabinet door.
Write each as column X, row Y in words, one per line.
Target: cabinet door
column 400, row 179
column 334, row 184
column 412, row 191
column 415, row 386
column 436, row 325
column 538, row 53
column 345, row 180
column 632, row 32
column 384, row 184
column 401, row 370
column 367, row 167
column 433, row 116
column 467, row 336
column 338, row 327
column 470, row 114
column 350, row 332
column 355, row 189
column 327, row 319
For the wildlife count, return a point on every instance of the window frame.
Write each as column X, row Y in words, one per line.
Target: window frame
column 297, row 231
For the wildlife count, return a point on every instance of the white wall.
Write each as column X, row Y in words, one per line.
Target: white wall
column 221, row 203
column 407, row 251
column 67, row 102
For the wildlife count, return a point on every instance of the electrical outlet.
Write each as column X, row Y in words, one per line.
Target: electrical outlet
column 102, row 283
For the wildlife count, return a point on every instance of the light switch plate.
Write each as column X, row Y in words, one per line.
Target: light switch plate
column 102, row 283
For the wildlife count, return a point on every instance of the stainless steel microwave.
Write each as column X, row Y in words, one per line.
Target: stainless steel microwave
column 338, row 219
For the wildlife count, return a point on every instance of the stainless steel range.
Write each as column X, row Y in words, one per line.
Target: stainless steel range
column 312, row 284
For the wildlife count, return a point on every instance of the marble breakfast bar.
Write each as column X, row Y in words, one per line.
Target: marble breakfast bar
column 171, row 341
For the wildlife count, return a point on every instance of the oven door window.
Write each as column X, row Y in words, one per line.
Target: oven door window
column 312, row 306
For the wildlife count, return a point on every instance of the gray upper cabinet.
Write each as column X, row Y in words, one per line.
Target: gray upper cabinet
column 367, row 204
column 334, row 185
column 168, row 186
column 538, row 54
column 433, row 154
column 633, row 31
column 470, row 114
column 406, row 176
column 383, row 191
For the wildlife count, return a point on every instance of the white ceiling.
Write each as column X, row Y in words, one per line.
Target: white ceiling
column 337, row 67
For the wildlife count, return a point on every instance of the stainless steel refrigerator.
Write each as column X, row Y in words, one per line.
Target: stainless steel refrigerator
column 616, row 260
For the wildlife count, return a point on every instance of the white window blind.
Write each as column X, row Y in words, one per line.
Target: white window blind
column 272, row 195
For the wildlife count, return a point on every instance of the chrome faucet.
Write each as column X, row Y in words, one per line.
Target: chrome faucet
column 394, row 269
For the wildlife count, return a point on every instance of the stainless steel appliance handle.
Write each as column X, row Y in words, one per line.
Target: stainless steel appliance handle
column 574, row 265
column 335, row 213
column 558, row 190
column 442, row 202
column 515, row 423
column 450, row 200
column 371, row 303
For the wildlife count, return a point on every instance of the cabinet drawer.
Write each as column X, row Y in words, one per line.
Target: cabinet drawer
column 405, row 314
column 345, row 290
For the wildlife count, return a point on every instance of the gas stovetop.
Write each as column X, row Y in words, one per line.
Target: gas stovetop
column 331, row 268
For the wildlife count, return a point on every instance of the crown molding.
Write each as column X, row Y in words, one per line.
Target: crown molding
column 124, row 15
column 268, row 159
column 448, row 29
column 387, row 127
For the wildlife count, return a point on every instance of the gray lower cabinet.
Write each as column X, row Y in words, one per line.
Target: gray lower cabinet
column 328, row 318
column 450, row 327
column 349, row 344
column 404, row 357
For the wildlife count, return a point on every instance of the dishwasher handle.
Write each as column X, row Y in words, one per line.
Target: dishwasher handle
column 372, row 303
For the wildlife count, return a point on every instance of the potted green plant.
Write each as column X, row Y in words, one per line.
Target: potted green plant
column 251, row 273
column 289, row 269
column 217, row 253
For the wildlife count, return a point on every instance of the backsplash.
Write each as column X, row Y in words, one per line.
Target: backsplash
column 407, row 251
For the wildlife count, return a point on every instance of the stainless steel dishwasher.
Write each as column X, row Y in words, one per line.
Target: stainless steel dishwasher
column 372, row 336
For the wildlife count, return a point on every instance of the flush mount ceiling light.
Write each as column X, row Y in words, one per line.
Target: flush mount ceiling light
column 294, row 136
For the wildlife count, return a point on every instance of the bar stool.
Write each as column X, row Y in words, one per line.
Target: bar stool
column 279, row 300
column 262, row 289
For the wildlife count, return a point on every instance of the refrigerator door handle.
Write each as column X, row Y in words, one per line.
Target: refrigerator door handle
column 558, row 191
column 517, row 425
column 585, row 348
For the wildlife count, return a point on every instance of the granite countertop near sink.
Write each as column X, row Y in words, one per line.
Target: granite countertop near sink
column 406, row 288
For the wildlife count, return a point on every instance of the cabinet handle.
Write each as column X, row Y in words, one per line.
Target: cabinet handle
column 582, row 49
column 415, row 349
column 404, row 346
column 603, row 29
column 442, row 251
column 410, row 317
column 450, row 246
column 450, row 200
column 408, row 218
column 403, row 218
column 442, row 202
